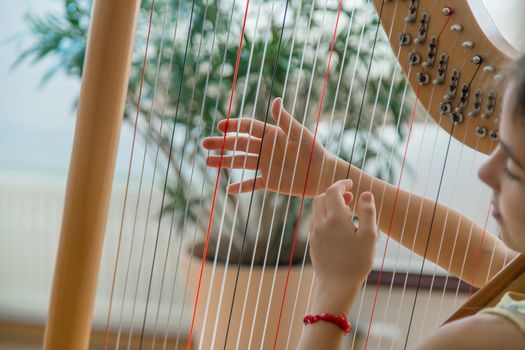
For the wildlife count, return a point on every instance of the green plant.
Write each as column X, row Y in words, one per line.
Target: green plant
column 188, row 77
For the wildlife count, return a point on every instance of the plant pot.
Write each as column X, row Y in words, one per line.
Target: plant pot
column 211, row 333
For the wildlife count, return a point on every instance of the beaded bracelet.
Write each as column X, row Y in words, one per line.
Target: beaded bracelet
column 340, row 321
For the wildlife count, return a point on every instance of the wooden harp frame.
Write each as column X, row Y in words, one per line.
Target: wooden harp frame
column 100, row 110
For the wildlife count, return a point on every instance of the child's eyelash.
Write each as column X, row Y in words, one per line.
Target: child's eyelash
column 510, row 175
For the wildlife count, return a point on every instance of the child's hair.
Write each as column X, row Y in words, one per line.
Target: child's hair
column 516, row 75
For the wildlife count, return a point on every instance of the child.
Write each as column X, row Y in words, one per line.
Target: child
column 342, row 253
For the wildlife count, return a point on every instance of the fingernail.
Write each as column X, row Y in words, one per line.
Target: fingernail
column 367, row 197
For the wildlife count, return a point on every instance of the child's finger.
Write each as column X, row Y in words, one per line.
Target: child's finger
column 335, row 195
column 233, row 143
column 366, row 211
column 243, row 125
column 283, row 118
column 247, row 186
column 319, row 207
column 348, row 197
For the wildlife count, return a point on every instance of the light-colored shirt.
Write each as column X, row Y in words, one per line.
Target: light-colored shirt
column 512, row 307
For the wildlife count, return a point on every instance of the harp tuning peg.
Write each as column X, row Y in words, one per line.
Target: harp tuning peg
column 477, row 59
column 447, row 11
column 457, row 118
column 456, row 28
column 423, row 78
column 404, row 39
column 488, row 69
column 493, row 135
column 468, row 44
column 481, row 131
column 413, row 58
column 445, row 108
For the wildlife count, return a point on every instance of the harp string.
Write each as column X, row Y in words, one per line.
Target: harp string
column 420, row 209
column 420, row 213
column 463, row 206
column 108, row 319
column 205, row 166
column 280, row 182
column 439, row 250
column 428, row 239
column 344, row 121
column 212, row 278
column 271, row 293
column 319, row 181
column 303, row 123
column 166, row 176
column 359, row 117
column 456, row 176
column 363, row 289
column 395, row 203
column 433, row 218
column 390, row 225
column 308, row 170
column 493, row 252
column 256, row 168
column 218, row 176
column 383, row 126
column 226, row 197
column 479, row 249
column 470, row 236
column 265, row 190
column 138, row 202
column 183, row 152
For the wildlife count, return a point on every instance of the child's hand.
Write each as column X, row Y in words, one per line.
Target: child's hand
column 274, row 159
column 342, row 254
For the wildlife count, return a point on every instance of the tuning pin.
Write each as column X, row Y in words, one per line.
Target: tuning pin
column 447, row 11
column 445, row 108
column 423, row 78
column 488, row 69
column 457, row 118
column 477, row 59
column 481, row 132
column 456, row 28
column 404, row 39
column 493, row 135
column 413, row 58
column 468, row 44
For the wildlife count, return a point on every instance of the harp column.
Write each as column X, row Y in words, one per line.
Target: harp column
column 99, row 117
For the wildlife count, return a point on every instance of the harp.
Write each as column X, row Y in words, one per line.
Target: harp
column 452, row 58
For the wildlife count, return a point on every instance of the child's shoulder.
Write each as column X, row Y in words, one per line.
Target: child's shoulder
column 512, row 307
column 500, row 327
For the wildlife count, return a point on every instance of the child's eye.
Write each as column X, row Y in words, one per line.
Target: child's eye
column 511, row 175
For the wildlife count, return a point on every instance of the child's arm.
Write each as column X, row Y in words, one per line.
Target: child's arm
column 281, row 170
column 480, row 332
column 342, row 256
column 456, row 243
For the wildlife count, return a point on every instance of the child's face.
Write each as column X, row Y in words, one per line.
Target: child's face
column 504, row 172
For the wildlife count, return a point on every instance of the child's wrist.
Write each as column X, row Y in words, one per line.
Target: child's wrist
column 334, row 298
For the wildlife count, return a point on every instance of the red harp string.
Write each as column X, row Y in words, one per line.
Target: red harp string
column 206, row 242
column 307, row 172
